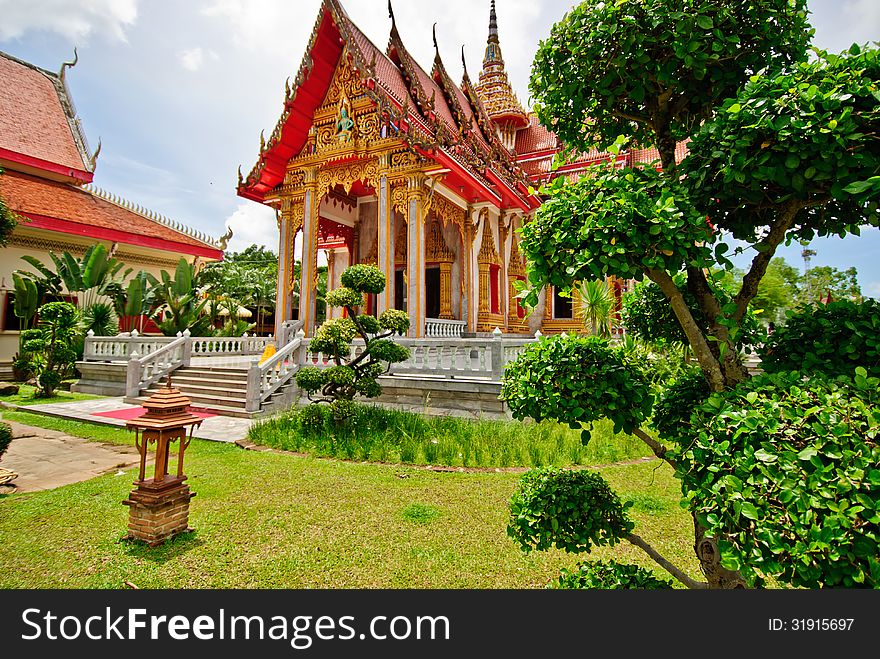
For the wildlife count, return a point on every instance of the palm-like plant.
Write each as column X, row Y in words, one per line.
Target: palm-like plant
column 597, row 307
column 94, row 276
column 182, row 305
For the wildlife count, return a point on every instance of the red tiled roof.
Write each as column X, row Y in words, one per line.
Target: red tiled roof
column 33, row 121
column 31, row 196
column 535, row 138
column 387, row 74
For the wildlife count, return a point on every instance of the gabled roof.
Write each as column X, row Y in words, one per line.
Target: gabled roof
column 39, row 128
column 436, row 118
column 92, row 213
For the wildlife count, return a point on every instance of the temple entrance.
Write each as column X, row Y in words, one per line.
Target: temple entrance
column 432, row 292
column 400, row 290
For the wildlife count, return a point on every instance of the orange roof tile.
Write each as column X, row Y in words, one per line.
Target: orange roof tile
column 31, row 196
column 33, row 120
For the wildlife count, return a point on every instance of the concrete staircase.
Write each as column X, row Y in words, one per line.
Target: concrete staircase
column 221, row 391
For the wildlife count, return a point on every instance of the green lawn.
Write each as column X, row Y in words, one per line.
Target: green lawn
column 266, row 520
column 25, row 396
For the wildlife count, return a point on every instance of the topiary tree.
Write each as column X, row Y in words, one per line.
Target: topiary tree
column 49, row 348
column 781, row 148
column 354, row 372
column 833, row 339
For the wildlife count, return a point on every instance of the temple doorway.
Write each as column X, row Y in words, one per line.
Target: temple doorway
column 400, row 290
column 432, row 292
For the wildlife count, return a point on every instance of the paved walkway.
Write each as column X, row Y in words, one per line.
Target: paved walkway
column 46, row 459
column 216, row 428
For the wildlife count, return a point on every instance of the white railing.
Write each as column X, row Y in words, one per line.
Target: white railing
column 289, row 328
column 145, row 371
column 447, row 358
column 267, row 378
column 219, row 346
column 120, row 348
column 436, row 328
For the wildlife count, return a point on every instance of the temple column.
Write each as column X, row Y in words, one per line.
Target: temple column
column 308, row 296
column 283, row 304
column 289, row 222
column 415, row 262
column 385, row 257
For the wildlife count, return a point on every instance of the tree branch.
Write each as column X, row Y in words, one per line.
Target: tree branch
column 639, row 119
column 698, row 285
column 662, row 562
column 777, row 233
column 658, row 448
column 710, row 365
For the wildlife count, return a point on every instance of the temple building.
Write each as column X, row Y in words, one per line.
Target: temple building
column 376, row 160
column 48, row 170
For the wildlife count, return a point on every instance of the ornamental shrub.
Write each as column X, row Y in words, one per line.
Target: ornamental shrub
column 677, row 402
column 569, row 510
column 576, row 380
column 363, row 279
column 48, row 349
column 5, row 438
column 353, row 375
column 832, row 339
column 609, row 575
column 785, row 472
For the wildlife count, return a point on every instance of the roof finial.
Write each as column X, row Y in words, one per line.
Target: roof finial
column 391, row 13
column 69, row 65
column 434, row 34
column 93, row 161
column 493, row 23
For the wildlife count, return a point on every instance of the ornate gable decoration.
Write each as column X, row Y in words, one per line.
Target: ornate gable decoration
column 437, row 250
column 488, row 253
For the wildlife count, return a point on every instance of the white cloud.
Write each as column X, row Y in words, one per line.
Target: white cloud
column 74, row 20
column 252, row 224
column 193, row 59
column 873, row 290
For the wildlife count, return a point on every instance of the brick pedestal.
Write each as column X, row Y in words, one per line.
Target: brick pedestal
column 157, row 514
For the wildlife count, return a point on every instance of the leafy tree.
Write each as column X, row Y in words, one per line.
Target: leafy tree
column 826, row 283
column 833, row 339
column 48, row 348
column 249, row 277
column 354, row 373
column 791, row 154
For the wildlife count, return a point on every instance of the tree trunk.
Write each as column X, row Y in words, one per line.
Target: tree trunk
column 710, row 561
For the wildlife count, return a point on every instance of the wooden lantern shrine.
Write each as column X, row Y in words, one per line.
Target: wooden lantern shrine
column 159, row 506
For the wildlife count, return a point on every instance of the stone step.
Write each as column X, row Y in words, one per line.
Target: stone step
column 220, row 410
column 201, row 400
column 211, row 384
column 233, row 374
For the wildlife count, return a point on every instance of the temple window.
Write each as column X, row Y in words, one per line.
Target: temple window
column 563, row 309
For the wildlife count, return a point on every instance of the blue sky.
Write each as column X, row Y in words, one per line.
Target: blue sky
column 178, row 92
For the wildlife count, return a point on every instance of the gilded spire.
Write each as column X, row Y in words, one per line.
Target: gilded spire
column 494, row 88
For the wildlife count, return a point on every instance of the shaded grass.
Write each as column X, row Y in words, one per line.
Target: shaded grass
column 376, row 434
column 94, row 431
column 27, row 396
column 267, row 520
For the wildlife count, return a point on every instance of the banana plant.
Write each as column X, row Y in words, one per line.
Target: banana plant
column 95, row 275
column 182, row 305
column 27, row 299
column 138, row 298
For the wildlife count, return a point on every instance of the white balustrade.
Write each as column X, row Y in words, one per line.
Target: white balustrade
column 437, row 328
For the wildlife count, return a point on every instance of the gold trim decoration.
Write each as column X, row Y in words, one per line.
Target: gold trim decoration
column 366, row 171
